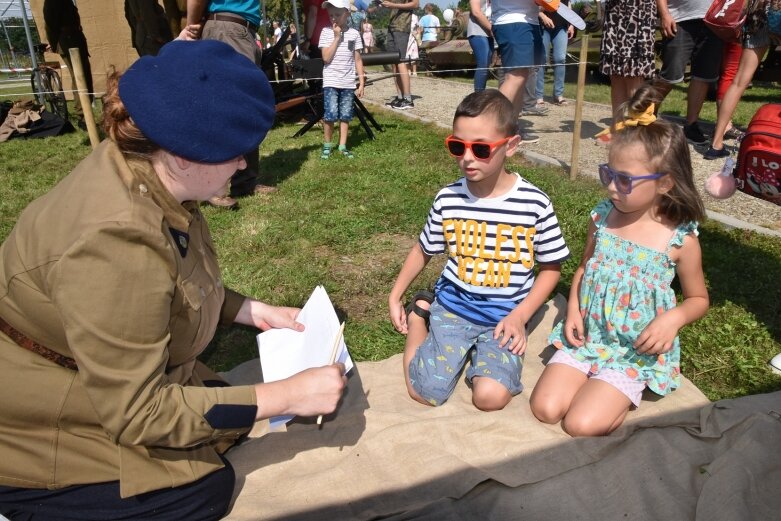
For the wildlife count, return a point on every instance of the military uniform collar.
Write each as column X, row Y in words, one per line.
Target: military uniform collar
column 144, row 182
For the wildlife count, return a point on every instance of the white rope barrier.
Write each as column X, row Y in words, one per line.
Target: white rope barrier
column 389, row 74
column 13, row 70
column 369, row 76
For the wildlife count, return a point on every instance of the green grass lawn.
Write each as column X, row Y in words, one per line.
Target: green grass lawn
column 348, row 224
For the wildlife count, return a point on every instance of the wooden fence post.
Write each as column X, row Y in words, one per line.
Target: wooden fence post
column 86, row 104
column 575, row 159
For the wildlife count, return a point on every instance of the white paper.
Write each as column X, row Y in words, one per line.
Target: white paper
column 284, row 352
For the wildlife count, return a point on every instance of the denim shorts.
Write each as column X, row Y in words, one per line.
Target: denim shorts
column 338, row 104
column 693, row 42
column 451, row 341
column 520, row 44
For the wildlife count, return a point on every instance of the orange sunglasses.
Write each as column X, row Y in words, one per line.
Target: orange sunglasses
column 480, row 149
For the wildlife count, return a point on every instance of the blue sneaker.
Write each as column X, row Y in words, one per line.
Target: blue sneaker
column 715, row 153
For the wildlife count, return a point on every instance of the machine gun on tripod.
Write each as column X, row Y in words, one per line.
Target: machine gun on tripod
column 312, row 71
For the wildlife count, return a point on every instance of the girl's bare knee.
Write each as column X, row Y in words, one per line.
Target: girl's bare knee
column 577, row 425
column 546, row 409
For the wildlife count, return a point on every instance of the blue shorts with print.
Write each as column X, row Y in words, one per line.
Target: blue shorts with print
column 338, row 104
column 451, row 340
column 520, row 44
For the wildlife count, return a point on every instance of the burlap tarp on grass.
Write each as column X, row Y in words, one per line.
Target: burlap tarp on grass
column 383, row 456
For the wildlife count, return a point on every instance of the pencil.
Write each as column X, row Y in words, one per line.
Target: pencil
column 337, row 342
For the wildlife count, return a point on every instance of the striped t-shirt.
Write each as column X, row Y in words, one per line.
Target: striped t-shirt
column 340, row 73
column 492, row 245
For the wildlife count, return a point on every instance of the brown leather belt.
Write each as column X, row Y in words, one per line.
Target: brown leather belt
column 230, row 17
column 31, row 345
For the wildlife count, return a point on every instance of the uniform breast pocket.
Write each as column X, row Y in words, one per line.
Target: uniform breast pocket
column 194, row 293
column 193, row 326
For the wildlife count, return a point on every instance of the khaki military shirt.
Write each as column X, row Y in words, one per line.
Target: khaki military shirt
column 400, row 20
column 110, row 270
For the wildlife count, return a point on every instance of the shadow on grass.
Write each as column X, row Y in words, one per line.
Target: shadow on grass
column 760, row 97
column 283, row 163
column 747, row 271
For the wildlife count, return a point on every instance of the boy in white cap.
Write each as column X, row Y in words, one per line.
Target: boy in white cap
column 340, row 45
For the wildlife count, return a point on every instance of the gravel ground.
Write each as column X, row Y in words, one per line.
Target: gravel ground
column 436, row 100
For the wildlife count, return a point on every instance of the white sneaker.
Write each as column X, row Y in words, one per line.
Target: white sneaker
column 775, row 364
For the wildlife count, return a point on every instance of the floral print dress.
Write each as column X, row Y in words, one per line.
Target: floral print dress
column 624, row 287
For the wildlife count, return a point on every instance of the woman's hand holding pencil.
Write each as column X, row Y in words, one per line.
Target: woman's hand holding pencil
column 332, row 360
column 314, row 391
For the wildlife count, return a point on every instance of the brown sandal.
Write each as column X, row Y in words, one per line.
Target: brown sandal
column 413, row 307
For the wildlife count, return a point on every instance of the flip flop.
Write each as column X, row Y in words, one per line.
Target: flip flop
column 734, row 133
column 413, row 307
column 603, row 138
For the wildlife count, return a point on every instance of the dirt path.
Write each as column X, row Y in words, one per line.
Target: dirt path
column 436, row 100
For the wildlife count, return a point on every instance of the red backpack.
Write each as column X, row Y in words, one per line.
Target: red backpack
column 726, row 18
column 758, row 171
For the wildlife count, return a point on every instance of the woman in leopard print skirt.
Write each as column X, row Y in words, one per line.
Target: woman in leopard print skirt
column 627, row 51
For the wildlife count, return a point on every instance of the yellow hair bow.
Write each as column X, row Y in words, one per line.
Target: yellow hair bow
column 634, row 119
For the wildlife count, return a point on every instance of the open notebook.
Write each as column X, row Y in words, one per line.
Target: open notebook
column 284, row 352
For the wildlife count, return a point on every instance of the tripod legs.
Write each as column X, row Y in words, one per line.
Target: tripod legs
column 316, row 116
column 364, row 116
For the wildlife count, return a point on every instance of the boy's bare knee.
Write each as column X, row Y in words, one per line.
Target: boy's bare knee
column 490, row 395
column 490, row 403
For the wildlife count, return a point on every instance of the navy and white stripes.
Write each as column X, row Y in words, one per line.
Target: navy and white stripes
column 492, row 245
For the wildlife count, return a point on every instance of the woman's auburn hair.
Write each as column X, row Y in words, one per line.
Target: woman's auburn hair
column 119, row 126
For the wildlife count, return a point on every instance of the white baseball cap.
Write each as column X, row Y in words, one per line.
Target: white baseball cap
column 341, row 4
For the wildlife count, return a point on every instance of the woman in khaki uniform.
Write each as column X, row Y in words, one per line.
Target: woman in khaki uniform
column 109, row 289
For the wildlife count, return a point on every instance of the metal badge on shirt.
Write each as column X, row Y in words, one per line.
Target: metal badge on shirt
column 182, row 241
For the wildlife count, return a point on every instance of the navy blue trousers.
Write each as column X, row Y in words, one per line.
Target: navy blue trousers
column 203, row 500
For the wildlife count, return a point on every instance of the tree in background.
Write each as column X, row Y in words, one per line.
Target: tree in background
column 279, row 11
column 16, row 36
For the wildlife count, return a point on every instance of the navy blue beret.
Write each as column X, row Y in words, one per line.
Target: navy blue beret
column 200, row 100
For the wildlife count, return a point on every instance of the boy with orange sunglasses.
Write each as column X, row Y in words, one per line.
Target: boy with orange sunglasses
column 494, row 227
